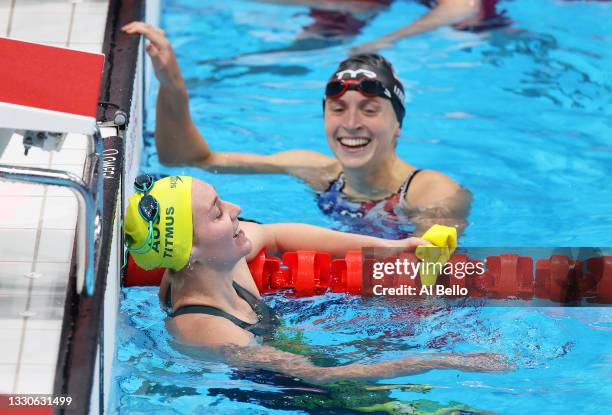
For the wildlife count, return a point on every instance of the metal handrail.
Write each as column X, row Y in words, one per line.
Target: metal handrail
column 88, row 193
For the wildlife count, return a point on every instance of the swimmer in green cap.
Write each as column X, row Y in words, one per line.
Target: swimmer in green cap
column 181, row 224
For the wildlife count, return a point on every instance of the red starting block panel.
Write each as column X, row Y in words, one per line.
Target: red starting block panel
column 47, row 87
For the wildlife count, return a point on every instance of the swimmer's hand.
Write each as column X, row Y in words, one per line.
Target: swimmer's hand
column 160, row 50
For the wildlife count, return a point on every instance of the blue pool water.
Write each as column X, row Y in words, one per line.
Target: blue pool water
column 562, row 356
column 520, row 116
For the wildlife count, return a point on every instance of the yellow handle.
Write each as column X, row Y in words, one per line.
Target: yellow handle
column 443, row 241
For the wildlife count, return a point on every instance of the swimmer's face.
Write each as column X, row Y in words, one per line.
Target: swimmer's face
column 360, row 130
column 218, row 241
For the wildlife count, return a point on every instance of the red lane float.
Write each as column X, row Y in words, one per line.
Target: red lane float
column 135, row 276
column 304, row 272
column 558, row 278
column 508, row 275
column 472, row 284
column 598, row 281
column 346, row 273
column 307, row 273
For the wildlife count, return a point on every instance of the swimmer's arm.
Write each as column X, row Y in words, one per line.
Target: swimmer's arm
column 313, row 167
column 435, row 198
column 268, row 358
column 354, row 6
column 238, row 347
column 287, row 237
column 179, row 142
column 309, row 3
column 447, row 12
column 177, row 139
column 220, row 338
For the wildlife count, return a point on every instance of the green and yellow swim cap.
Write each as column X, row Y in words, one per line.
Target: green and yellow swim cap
column 172, row 230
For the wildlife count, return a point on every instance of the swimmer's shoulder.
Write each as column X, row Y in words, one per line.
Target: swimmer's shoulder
column 429, row 188
column 326, row 175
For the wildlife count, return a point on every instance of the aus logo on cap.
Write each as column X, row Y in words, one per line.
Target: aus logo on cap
column 355, row 73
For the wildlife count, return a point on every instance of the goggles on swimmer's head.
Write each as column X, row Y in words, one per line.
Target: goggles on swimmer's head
column 367, row 87
column 148, row 208
column 143, row 183
column 370, row 84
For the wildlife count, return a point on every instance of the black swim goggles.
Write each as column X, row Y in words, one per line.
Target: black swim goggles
column 366, row 86
column 143, row 183
column 148, row 208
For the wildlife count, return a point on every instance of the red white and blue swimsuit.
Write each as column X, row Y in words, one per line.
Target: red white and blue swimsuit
column 382, row 218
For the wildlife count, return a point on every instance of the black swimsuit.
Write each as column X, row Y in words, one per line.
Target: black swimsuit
column 267, row 319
